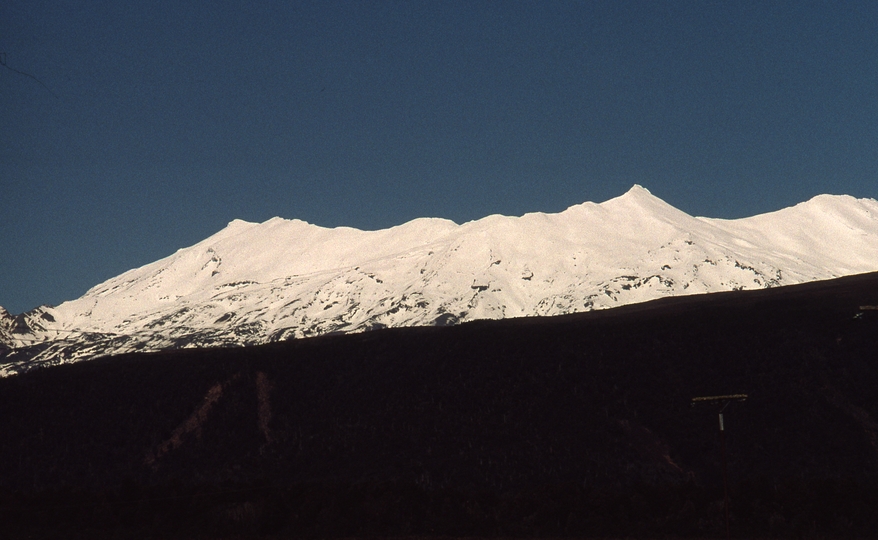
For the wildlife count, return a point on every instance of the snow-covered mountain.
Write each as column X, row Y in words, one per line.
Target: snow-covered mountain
column 253, row 283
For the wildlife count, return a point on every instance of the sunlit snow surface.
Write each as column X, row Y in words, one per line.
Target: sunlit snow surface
column 257, row 282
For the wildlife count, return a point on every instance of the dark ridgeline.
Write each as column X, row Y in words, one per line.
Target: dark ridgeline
column 577, row 425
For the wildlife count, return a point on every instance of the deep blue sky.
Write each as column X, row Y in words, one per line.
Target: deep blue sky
column 163, row 121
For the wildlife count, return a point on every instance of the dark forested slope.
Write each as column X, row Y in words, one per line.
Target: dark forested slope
column 572, row 425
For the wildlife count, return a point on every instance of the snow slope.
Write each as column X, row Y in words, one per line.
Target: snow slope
column 258, row 282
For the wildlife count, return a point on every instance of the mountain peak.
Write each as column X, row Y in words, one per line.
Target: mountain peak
column 636, row 195
column 637, row 189
column 258, row 282
column 639, row 201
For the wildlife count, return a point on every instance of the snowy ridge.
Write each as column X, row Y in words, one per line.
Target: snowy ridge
column 253, row 283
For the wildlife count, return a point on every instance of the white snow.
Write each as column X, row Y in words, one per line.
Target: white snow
column 257, row 282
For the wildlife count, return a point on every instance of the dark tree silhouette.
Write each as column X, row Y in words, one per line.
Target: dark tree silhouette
column 4, row 64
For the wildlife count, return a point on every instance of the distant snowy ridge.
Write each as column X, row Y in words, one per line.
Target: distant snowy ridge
column 253, row 283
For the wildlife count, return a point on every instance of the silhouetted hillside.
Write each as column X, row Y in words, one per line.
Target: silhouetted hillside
column 574, row 425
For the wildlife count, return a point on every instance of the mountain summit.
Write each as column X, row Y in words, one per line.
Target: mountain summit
column 253, row 283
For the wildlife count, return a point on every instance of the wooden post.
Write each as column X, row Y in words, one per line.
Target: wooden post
column 725, row 400
column 722, row 439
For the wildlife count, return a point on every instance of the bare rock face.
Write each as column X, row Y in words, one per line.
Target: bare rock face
column 255, row 283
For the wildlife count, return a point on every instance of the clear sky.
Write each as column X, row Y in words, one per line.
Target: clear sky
column 144, row 127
